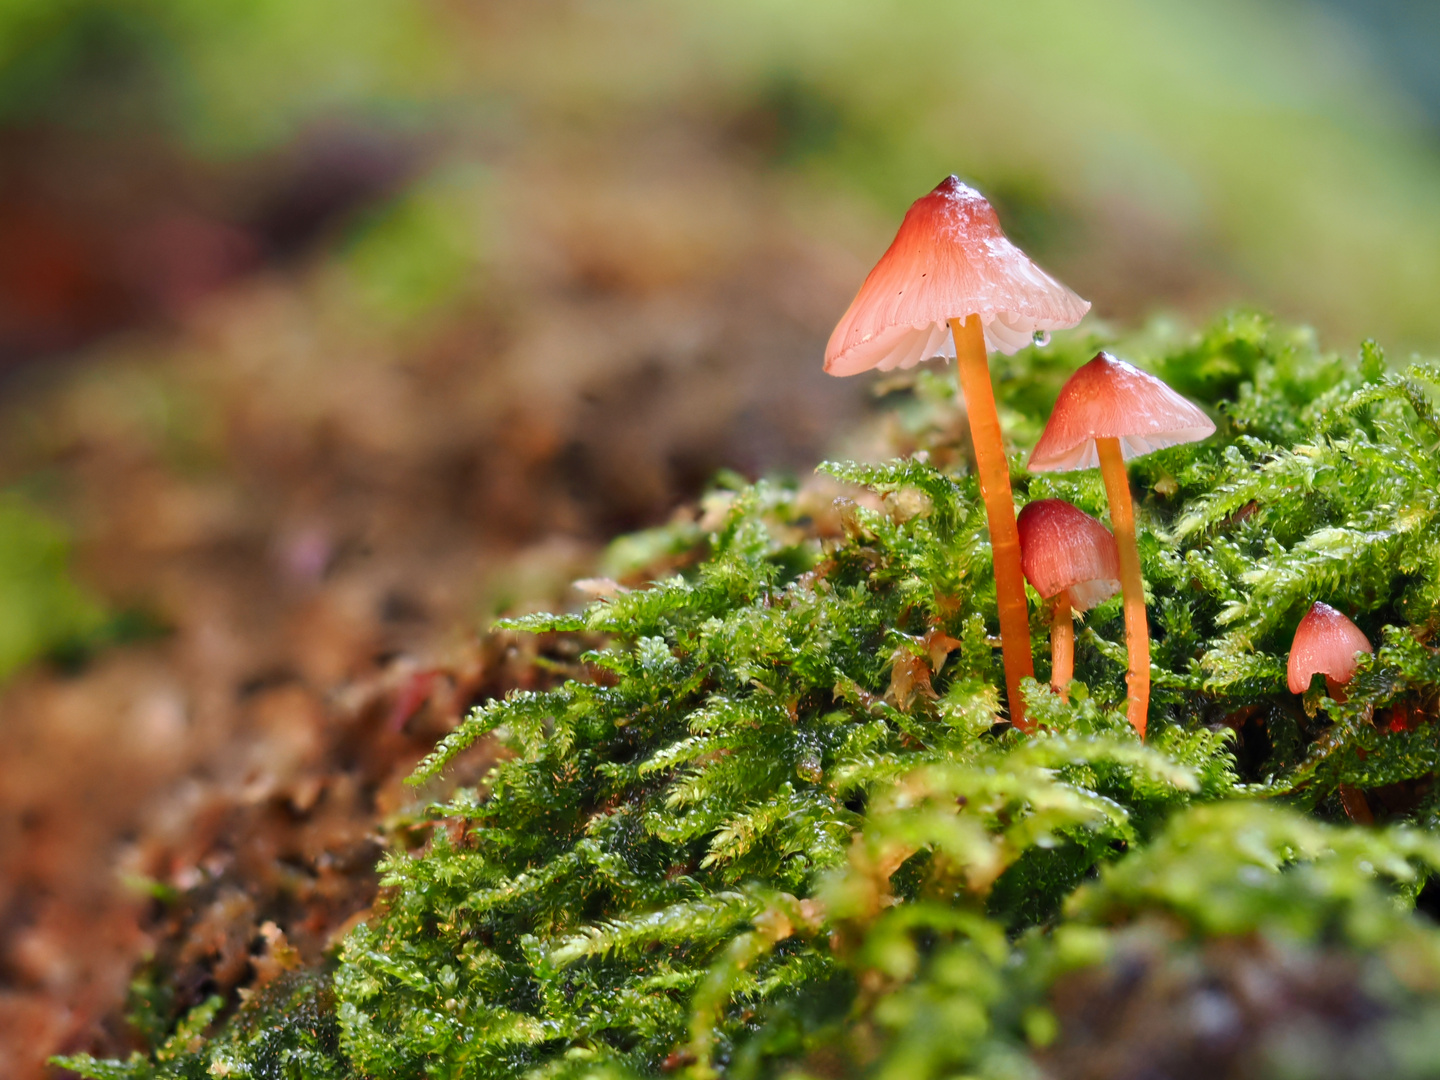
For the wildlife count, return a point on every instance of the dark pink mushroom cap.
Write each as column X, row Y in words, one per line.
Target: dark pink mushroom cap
column 1062, row 547
column 949, row 260
column 1110, row 399
column 1325, row 642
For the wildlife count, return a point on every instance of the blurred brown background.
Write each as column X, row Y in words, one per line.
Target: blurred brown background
column 331, row 329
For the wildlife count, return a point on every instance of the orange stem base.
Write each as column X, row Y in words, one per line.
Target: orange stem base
column 993, row 471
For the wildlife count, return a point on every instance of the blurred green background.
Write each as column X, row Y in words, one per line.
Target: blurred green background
column 430, row 162
column 1284, row 152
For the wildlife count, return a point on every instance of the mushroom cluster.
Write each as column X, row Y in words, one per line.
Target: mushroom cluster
column 1107, row 413
column 952, row 284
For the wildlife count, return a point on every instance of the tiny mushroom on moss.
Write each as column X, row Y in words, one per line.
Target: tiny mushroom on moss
column 1326, row 643
column 1107, row 413
column 952, row 284
column 1071, row 560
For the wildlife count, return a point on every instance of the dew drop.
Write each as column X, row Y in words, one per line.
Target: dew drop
column 810, row 768
column 1041, row 338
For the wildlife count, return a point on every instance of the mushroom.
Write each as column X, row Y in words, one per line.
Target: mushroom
column 951, row 284
column 1107, row 413
column 1069, row 556
column 1325, row 642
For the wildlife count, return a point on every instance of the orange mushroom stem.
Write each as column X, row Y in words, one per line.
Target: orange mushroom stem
column 993, row 470
column 1062, row 644
column 1132, row 584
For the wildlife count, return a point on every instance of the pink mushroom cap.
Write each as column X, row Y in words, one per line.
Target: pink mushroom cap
column 1110, row 399
column 1062, row 547
column 1325, row 642
column 949, row 260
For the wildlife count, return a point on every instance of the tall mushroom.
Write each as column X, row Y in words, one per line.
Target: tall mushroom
column 951, row 284
column 1069, row 556
column 1107, row 413
column 1325, row 643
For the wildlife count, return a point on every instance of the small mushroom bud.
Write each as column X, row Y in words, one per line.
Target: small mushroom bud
column 1071, row 560
column 1325, row 642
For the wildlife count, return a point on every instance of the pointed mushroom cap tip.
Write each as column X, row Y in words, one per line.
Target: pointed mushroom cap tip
column 949, row 259
column 1109, row 398
column 1062, row 547
column 1325, row 643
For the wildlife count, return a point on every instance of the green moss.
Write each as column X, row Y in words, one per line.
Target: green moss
column 774, row 831
column 421, row 251
column 287, row 1031
column 42, row 610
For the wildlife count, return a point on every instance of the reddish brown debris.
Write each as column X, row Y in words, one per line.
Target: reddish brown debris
column 1230, row 1008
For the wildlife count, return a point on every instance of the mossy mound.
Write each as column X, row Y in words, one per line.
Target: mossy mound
column 776, row 825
